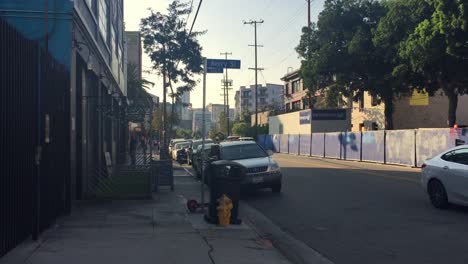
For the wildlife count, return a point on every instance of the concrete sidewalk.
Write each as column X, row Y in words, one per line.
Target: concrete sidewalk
column 156, row 231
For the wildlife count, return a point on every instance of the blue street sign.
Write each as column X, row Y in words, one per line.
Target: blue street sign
column 214, row 70
column 224, row 64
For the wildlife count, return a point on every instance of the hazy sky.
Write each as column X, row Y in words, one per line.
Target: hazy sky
column 279, row 34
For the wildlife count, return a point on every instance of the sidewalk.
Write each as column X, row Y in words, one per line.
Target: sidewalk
column 156, row 231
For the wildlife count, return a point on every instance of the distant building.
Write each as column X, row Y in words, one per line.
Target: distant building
column 197, row 121
column 269, row 98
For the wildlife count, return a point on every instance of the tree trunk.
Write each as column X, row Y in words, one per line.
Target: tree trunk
column 452, row 108
column 388, row 113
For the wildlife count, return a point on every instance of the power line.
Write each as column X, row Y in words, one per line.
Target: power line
column 191, row 9
column 196, row 15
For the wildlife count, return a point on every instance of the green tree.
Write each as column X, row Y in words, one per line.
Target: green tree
column 437, row 50
column 240, row 129
column 138, row 94
column 196, row 135
column 183, row 133
column 174, row 52
column 157, row 119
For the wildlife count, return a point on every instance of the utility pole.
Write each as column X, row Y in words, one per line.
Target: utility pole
column 255, row 22
column 308, row 13
column 226, row 93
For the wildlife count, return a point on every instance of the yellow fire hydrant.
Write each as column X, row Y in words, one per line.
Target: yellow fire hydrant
column 224, row 210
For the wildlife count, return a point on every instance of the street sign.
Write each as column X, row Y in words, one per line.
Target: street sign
column 223, row 64
column 214, row 70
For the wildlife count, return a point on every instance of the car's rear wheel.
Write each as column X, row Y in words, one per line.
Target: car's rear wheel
column 438, row 194
column 276, row 188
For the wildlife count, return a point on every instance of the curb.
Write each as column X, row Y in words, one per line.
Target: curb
column 294, row 250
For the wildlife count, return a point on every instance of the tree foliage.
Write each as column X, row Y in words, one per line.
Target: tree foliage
column 174, row 52
column 138, row 94
column 437, row 49
column 387, row 48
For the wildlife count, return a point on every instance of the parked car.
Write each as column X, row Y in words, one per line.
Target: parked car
column 445, row 177
column 246, row 139
column 262, row 170
column 202, row 159
column 192, row 150
column 179, row 151
column 173, row 142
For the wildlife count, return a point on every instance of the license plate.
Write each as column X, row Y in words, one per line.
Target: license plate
column 257, row 179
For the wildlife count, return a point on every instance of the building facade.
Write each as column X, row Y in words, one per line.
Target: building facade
column 418, row 110
column 269, row 96
column 82, row 46
column 295, row 94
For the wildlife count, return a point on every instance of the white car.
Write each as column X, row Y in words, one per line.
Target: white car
column 445, row 177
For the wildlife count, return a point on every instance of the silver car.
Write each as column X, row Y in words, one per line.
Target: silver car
column 445, row 177
column 262, row 170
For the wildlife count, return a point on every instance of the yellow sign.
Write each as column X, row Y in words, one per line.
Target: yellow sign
column 419, row 98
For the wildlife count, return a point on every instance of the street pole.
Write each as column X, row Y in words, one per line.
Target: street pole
column 253, row 22
column 164, row 112
column 308, row 13
column 226, row 94
column 203, row 137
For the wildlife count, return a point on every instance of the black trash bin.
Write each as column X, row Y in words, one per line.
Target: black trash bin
column 225, row 178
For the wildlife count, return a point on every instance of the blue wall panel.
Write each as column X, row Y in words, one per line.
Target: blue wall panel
column 276, row 142
column 400, row 148
column 351, row 145
column 304, row 145
column 333, row 145
column 317, row 144
column 373, row 146
column 284, row 144
column 294, row 144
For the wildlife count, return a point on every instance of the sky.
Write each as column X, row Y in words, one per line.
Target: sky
column 223, row 20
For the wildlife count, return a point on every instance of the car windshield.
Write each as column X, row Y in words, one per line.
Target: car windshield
column 199, row 143
column 182, row 145
column 243, row 151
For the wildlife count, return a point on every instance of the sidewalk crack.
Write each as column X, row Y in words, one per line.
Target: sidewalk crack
column 211, row 248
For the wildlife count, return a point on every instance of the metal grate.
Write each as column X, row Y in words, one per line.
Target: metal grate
column 257, row 169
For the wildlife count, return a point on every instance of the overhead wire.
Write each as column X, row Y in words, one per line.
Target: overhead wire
column 196, row 15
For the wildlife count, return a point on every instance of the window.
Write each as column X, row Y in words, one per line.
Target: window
column 457, row 156
column 374, row 100
column 288, row 107
column 361, row 101
column 103, row 18
column 262, row 100
column 286, row 89
column 295, row 86
column 296, row 105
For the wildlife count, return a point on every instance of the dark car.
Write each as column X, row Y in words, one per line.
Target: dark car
column 202, row 159
column 192, row 151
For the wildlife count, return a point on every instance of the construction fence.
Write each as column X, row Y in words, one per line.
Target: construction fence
column 399, row 147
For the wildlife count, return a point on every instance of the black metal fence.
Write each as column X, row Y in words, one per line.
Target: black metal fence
column 34, row 138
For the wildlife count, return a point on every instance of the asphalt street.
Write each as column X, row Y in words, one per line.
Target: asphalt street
column 355, row 212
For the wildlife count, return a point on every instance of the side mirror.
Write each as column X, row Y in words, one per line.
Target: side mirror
column 270, row 152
